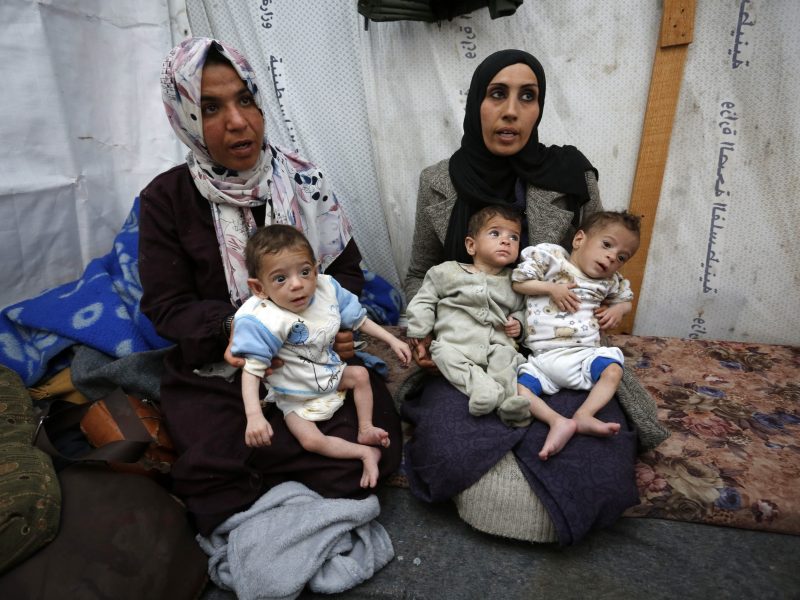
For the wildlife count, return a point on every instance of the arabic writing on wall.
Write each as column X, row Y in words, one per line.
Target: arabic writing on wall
column 728, row 118
column 467, row 45
column 279, row 82
column 467, row 37
column 727, row 125
column 738, row 34
column 266, row 14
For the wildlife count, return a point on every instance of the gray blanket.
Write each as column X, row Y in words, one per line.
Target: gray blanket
column 291, row 537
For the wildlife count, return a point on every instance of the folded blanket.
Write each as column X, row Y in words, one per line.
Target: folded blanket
column 99, row 310
column 291, row 537
column 381, row 299
column 587, row 485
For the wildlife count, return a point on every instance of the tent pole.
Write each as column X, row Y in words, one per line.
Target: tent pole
column 677, row 29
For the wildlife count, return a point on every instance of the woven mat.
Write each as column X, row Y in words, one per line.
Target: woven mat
column 734, row 412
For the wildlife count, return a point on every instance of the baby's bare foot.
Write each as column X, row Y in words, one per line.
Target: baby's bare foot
column 589, row 425
column 560, row 433
column 373, row 436
column 369, row 477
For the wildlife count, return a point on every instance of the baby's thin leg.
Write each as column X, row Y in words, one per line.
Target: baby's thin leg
column 561, row 428
column 357, row 379
column 313, row 440
column 600, row 395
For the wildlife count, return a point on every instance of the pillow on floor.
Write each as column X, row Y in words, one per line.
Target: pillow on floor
column 502, row 503
column 30, row 497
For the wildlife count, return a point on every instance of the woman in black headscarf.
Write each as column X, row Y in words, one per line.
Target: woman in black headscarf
column 501, row 161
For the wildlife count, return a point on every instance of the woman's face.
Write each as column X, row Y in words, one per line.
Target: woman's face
column 233, row 126
column 510, row 110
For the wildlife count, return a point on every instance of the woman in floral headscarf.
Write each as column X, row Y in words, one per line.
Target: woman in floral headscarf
column 195, row 221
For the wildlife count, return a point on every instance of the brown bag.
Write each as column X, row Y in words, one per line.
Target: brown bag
column 111, row 420
column 126, row 432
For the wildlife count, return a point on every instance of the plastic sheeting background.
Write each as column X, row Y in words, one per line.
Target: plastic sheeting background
column 84, row 130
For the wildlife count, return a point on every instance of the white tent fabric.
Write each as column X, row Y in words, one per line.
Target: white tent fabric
column 723, row 264
column 83, row 130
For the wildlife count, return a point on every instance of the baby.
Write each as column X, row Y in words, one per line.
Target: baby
column 570, row 298
column 294, row 314
column 474, row 316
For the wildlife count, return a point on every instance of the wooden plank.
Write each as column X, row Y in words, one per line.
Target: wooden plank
column 677, row 30
column 677, row 23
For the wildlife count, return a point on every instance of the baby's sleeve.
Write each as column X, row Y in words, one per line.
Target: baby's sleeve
column 421, row 311
column 350, row 309
column 255, row 343
column 535, row 262
column 620, row 290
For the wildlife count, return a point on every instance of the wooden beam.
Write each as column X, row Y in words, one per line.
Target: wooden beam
column 677, row 31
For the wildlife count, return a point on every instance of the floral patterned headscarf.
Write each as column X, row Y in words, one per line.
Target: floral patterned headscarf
column 293, row 187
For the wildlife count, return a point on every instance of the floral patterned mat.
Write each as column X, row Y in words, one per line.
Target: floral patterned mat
column 734, row 413
column 733, row 410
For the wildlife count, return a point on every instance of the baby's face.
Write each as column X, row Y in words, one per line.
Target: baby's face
column 288, row 278
column 603, row 251
column 496, row 245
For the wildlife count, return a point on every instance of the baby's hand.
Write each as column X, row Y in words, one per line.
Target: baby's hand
column 564, row 298
column 402, row 351
column 609, row 317
column 258, row 432
column 512, row 328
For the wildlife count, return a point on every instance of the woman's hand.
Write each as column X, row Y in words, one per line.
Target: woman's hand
column 234, row 361
column 343, row 344
column 420, row 350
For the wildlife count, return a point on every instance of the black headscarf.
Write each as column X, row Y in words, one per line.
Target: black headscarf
column 482, row 178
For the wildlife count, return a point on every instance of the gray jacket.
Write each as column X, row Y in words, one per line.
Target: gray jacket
column 549, row 219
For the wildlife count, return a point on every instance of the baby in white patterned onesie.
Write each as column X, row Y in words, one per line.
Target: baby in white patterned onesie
column 294, row 314
column 569, row 299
